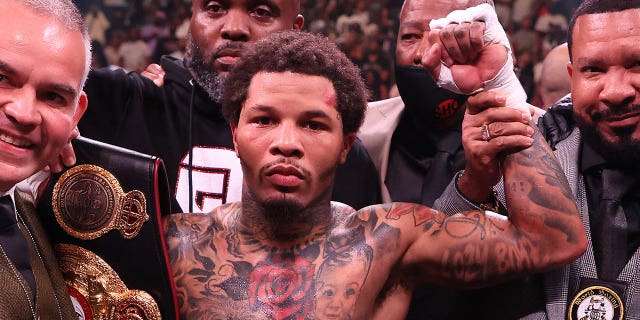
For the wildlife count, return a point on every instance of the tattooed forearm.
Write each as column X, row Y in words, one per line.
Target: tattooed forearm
column 538, row 164
column 543, row 229
column 478, row 264
column 540, row 203
column 535, row 176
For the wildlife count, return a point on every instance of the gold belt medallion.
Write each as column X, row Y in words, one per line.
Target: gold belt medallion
column 97, row 291
column 88, row 202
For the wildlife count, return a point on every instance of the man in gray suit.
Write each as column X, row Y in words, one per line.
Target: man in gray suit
column 596, row 137
column 44, row 60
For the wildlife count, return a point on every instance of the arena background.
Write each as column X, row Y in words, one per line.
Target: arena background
column 131, row 34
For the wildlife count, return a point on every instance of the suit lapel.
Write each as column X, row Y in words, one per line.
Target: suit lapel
column 52, row 296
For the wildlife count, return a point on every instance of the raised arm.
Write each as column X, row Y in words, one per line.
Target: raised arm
column 476, row 248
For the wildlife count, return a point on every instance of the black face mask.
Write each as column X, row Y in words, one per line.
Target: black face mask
column 428, row 105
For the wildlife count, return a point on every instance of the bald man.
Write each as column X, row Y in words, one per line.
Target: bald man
column 554, row 80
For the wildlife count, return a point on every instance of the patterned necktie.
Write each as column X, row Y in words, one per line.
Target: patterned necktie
column 610, row 228
column 13, row 242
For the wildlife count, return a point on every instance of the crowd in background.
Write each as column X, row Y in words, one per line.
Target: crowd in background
column 130, row 34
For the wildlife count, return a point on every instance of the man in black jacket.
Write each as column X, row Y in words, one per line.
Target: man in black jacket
column 181, row 121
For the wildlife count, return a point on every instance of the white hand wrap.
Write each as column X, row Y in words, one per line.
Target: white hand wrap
column 505, row 82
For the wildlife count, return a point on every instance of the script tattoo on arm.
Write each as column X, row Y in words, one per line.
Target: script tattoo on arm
column 478, row 248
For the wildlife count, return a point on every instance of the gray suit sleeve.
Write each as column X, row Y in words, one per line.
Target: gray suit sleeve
column 451, row 201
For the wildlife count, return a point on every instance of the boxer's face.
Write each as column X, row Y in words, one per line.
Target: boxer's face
column 289, row 139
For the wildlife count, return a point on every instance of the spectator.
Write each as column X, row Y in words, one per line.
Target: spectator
column 112, row 49
column 555, row 82
column 525, row 38
column 553, row 27
column 158, row 28
column 134, row 53
column 98, row 23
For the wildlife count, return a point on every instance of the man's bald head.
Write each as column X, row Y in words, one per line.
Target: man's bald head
column 554, row 78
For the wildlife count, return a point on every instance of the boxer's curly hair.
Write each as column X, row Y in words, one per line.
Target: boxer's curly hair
column 304, row 53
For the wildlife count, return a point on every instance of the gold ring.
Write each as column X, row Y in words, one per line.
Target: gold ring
column 486, row 136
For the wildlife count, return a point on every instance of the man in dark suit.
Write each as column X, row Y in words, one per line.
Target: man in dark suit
column 44, row 60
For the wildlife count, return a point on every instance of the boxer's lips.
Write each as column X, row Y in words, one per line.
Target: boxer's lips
column 285, row 176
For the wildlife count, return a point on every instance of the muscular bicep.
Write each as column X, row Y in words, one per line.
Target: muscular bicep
column 470, row 249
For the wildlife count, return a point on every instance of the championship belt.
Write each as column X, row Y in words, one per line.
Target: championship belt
column 597, row 299
column 104, row 217
column 97, row 292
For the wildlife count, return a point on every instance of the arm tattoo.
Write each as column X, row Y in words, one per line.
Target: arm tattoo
column 476, row 248
column 543, row 217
